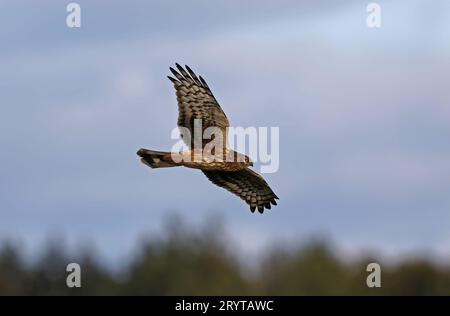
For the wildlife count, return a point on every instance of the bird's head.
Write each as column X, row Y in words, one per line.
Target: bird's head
column 248, row 161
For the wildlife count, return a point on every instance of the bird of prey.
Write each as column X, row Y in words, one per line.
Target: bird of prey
column 196, row 102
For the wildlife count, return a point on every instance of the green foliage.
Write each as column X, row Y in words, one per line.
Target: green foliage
column 187, row 261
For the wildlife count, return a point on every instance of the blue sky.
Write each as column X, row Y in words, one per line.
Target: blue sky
column 363, row 116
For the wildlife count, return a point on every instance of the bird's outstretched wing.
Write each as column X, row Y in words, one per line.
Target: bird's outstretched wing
column 247, row 184
column 196, row 101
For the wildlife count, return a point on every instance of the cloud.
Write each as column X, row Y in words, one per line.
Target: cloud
column 362, row 116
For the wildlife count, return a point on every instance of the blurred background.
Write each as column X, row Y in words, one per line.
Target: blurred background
column 364, row 157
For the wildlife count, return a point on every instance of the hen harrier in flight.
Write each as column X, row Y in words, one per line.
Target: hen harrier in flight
column 196, row 102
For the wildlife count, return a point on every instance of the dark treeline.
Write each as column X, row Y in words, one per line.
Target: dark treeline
column 188, row 261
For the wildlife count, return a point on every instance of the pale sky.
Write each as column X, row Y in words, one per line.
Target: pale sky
column 363, row 115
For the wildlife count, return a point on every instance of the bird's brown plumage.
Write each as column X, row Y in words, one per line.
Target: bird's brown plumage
column 246, row 184
column 196, row 101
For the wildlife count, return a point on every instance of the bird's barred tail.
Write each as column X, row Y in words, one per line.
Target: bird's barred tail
column 156, row 159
